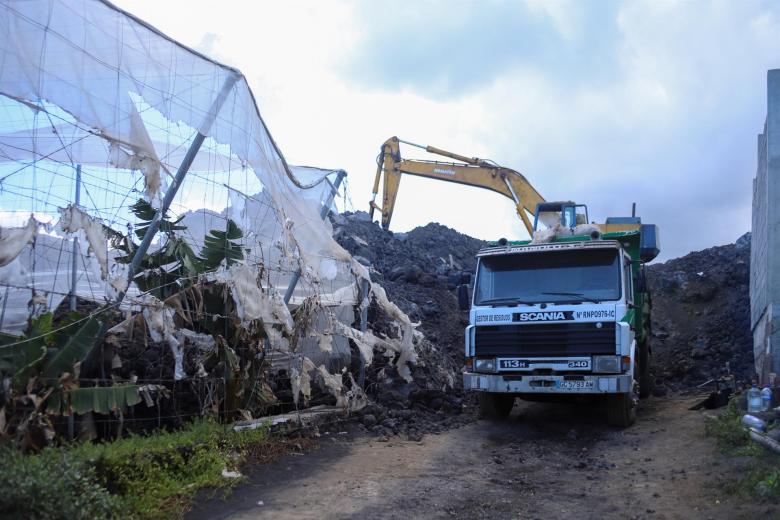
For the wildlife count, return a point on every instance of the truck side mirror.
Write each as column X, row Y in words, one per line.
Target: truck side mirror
column 464, row 302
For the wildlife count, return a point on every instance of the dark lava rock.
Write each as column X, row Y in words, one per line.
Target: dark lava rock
column 418, row 269
column 412, row 273
column 701, row 315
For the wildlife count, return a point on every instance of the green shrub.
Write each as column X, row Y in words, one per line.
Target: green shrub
column 135, row 477
column 155, row 476
column 767, row 485
column 728, row 431
column 732, row 437
column 51, row 485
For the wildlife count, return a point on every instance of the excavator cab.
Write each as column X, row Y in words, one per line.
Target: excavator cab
column 566, row 213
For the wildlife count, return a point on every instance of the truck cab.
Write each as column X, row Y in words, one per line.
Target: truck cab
column 566, row 213
column 569, row 318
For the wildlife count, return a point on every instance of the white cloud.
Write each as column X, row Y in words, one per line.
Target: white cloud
column 653, row 102
column 566, row 15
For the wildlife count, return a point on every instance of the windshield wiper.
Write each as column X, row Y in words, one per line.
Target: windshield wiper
column 499, row 301
column 577, row 294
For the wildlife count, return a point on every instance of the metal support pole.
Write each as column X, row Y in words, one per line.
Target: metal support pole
column 73, row 271
column 154, row 226
column 5, row 303
column 323, row 213
column 75, row 258
column 333, row 191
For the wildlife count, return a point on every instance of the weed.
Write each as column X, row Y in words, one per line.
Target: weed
column 136, row 477
column 51, row 485
column 762, row 481
column 728, row 431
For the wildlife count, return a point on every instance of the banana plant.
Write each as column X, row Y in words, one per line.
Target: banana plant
column 39, row 371
column 175, row 265
column 42, row 355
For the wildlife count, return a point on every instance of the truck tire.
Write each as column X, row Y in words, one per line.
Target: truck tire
column 621, row 410
column 495, row 406
column 645, row 379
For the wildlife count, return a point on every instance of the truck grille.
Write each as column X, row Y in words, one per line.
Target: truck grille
column 545, row 339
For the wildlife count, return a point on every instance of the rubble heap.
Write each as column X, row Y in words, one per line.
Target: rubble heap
column 419, row 270
column 701, row 316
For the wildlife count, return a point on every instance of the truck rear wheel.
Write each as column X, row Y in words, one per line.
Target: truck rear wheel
column 495, row 406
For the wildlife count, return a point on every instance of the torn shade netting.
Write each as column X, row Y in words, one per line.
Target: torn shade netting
column 83, row 83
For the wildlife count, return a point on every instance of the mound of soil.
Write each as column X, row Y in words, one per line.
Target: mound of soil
column 419, row 270
column 701, row 316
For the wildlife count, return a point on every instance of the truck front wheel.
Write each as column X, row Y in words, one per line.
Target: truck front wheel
column 621, row 409
column 495, row 406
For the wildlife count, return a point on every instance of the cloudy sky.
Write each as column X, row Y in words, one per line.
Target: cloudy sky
column 606, row 103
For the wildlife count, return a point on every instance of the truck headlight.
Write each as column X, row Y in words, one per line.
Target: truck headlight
column 484, row 365
column 606, row 364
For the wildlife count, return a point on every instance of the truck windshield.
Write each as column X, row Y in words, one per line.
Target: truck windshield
column 560, row 276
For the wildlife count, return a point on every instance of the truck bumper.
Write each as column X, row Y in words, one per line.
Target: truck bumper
column 530, row 384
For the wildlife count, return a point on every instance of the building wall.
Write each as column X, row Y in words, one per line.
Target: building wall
column 765, row 242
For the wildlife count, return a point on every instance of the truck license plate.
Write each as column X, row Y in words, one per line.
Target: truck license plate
column 577, row 384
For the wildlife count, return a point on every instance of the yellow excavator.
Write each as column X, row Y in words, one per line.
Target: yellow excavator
column 473, row 172
column 481, row 173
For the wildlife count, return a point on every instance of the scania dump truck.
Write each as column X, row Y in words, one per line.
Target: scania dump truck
column 564, row 315
column 569, row 318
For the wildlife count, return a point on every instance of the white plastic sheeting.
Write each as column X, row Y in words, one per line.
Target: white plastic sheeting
column 119, row 94
column 13, row 240
column 73, row 220
column 85, row 83
column 98, row 64
column 159, row 320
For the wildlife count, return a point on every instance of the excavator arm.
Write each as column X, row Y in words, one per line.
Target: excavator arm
column 474, row 172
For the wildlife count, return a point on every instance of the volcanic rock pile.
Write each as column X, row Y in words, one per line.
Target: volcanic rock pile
column 419, row 270
column 701, row 316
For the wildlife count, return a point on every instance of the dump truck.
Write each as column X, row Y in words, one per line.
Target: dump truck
column 563, row 316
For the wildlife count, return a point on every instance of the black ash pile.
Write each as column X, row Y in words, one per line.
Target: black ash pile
column 701, row 316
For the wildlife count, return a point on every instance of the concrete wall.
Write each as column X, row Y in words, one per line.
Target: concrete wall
column 765, row 240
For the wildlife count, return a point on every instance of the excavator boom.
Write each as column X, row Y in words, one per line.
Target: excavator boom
column 474, row 172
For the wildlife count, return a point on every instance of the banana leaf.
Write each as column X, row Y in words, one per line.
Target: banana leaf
column 20, row 358
column 145, row 212
column 218, row 246
column 72, row 349
column 98, row 399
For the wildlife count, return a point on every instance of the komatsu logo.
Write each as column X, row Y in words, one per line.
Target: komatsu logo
column 544, row 316
column 442, row 171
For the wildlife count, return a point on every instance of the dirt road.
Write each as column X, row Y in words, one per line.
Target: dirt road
column 547, row 461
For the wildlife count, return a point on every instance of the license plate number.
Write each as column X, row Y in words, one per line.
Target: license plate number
column 575, row 385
